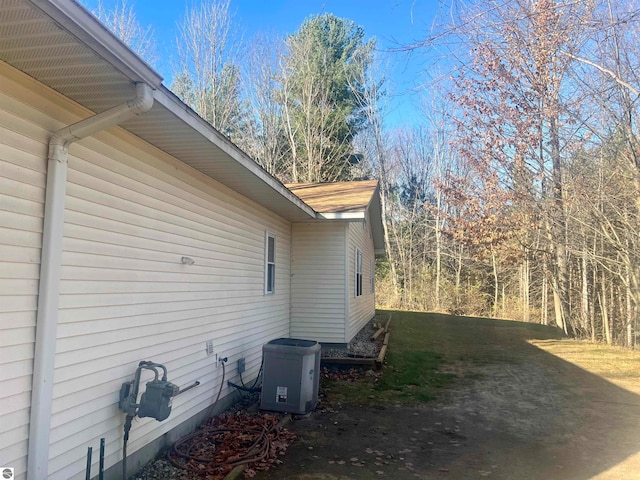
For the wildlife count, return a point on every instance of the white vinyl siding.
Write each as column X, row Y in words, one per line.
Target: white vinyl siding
column 361, row 307
column 131, row 213
column 23, row 150
column 318, row 285
column 126, row 296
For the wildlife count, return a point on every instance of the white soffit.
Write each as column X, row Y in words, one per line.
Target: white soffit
column 35, row 44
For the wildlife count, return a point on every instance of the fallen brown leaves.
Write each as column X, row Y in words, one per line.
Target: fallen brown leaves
column 230, row 440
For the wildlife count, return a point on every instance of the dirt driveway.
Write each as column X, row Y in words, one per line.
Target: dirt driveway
column 521, row 408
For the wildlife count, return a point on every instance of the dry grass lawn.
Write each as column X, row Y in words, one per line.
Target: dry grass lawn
column 617, row 365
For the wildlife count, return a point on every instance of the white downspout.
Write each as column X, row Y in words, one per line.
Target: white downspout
column 50, row 268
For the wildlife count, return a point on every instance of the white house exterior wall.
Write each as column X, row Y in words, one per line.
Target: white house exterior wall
column 361, row 308
column 318, row 282
column 23, row 149
column 131, row 213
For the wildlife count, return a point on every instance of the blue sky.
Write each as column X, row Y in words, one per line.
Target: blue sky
column 392, row 22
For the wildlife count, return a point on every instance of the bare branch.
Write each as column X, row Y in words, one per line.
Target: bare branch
column 604, row 70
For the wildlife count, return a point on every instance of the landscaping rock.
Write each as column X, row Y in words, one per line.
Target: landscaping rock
column 360, row 347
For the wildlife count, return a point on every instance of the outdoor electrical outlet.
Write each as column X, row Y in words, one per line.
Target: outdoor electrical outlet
column 209, row 347
column 241, row 365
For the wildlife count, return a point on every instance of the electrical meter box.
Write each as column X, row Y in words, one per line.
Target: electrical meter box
column 291, row 375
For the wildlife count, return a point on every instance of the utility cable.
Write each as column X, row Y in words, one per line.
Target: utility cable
column 252, row 388
column 127, row 429
column 215, row 403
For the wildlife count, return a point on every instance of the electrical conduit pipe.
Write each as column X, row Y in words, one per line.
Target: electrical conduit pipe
column 50, row 267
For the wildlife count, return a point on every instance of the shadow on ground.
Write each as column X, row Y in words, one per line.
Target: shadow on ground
column 517, row 410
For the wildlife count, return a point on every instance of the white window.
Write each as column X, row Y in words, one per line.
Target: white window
column 358, row 275
column 372, row 276
column 270, row 263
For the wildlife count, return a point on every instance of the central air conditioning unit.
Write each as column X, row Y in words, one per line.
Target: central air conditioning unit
column 291, row 375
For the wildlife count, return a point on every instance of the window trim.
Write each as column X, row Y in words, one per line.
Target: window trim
column 269, row 266
column 372, row 275
column 358, row 273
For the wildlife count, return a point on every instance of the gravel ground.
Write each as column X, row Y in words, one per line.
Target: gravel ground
column 361, row 346
column 160, row 470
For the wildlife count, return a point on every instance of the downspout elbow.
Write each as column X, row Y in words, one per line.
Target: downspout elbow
column 143, row 100
column 59, row 144
column 141, row 103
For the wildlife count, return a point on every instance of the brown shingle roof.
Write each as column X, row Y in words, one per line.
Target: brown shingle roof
column 337, row 197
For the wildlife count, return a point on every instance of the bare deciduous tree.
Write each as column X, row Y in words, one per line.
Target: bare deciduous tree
column 122, row 21
column 265, row 138
column 207, row 75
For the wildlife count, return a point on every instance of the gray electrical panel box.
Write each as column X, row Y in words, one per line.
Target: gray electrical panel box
column 291, row 375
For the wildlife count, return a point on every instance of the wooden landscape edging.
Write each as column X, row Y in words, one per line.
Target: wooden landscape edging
column 364, row 362
column 383, row 350
column 386, row 327
column 347, row 361
column 379, row 332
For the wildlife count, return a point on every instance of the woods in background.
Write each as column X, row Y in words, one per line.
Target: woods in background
column 517, row 194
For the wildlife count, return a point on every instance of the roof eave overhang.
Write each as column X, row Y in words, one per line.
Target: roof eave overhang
column 300, row 210
column 246, row 176
column 373, row 213
column 75, row 19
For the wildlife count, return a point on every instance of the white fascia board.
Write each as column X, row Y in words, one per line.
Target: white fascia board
column 347, row 216
column 76, row 20
column 356, row 217
column 171, row 102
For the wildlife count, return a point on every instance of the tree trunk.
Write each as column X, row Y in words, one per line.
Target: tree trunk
column 544, row 301
column 438, row 234
column 629, row 317
column 382, row 175
column 558, row 234
column 585, row 293
column 525, row 289
column 557, row 307
column 594, row 283
column 458, row 277
column 606, row 331
column 495, row 284
column 612, row 316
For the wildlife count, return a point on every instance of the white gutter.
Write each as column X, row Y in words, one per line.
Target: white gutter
column 50, row 268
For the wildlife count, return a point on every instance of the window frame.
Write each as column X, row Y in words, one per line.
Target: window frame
column 269, row 265
column 358, row 273
column 372, row 275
